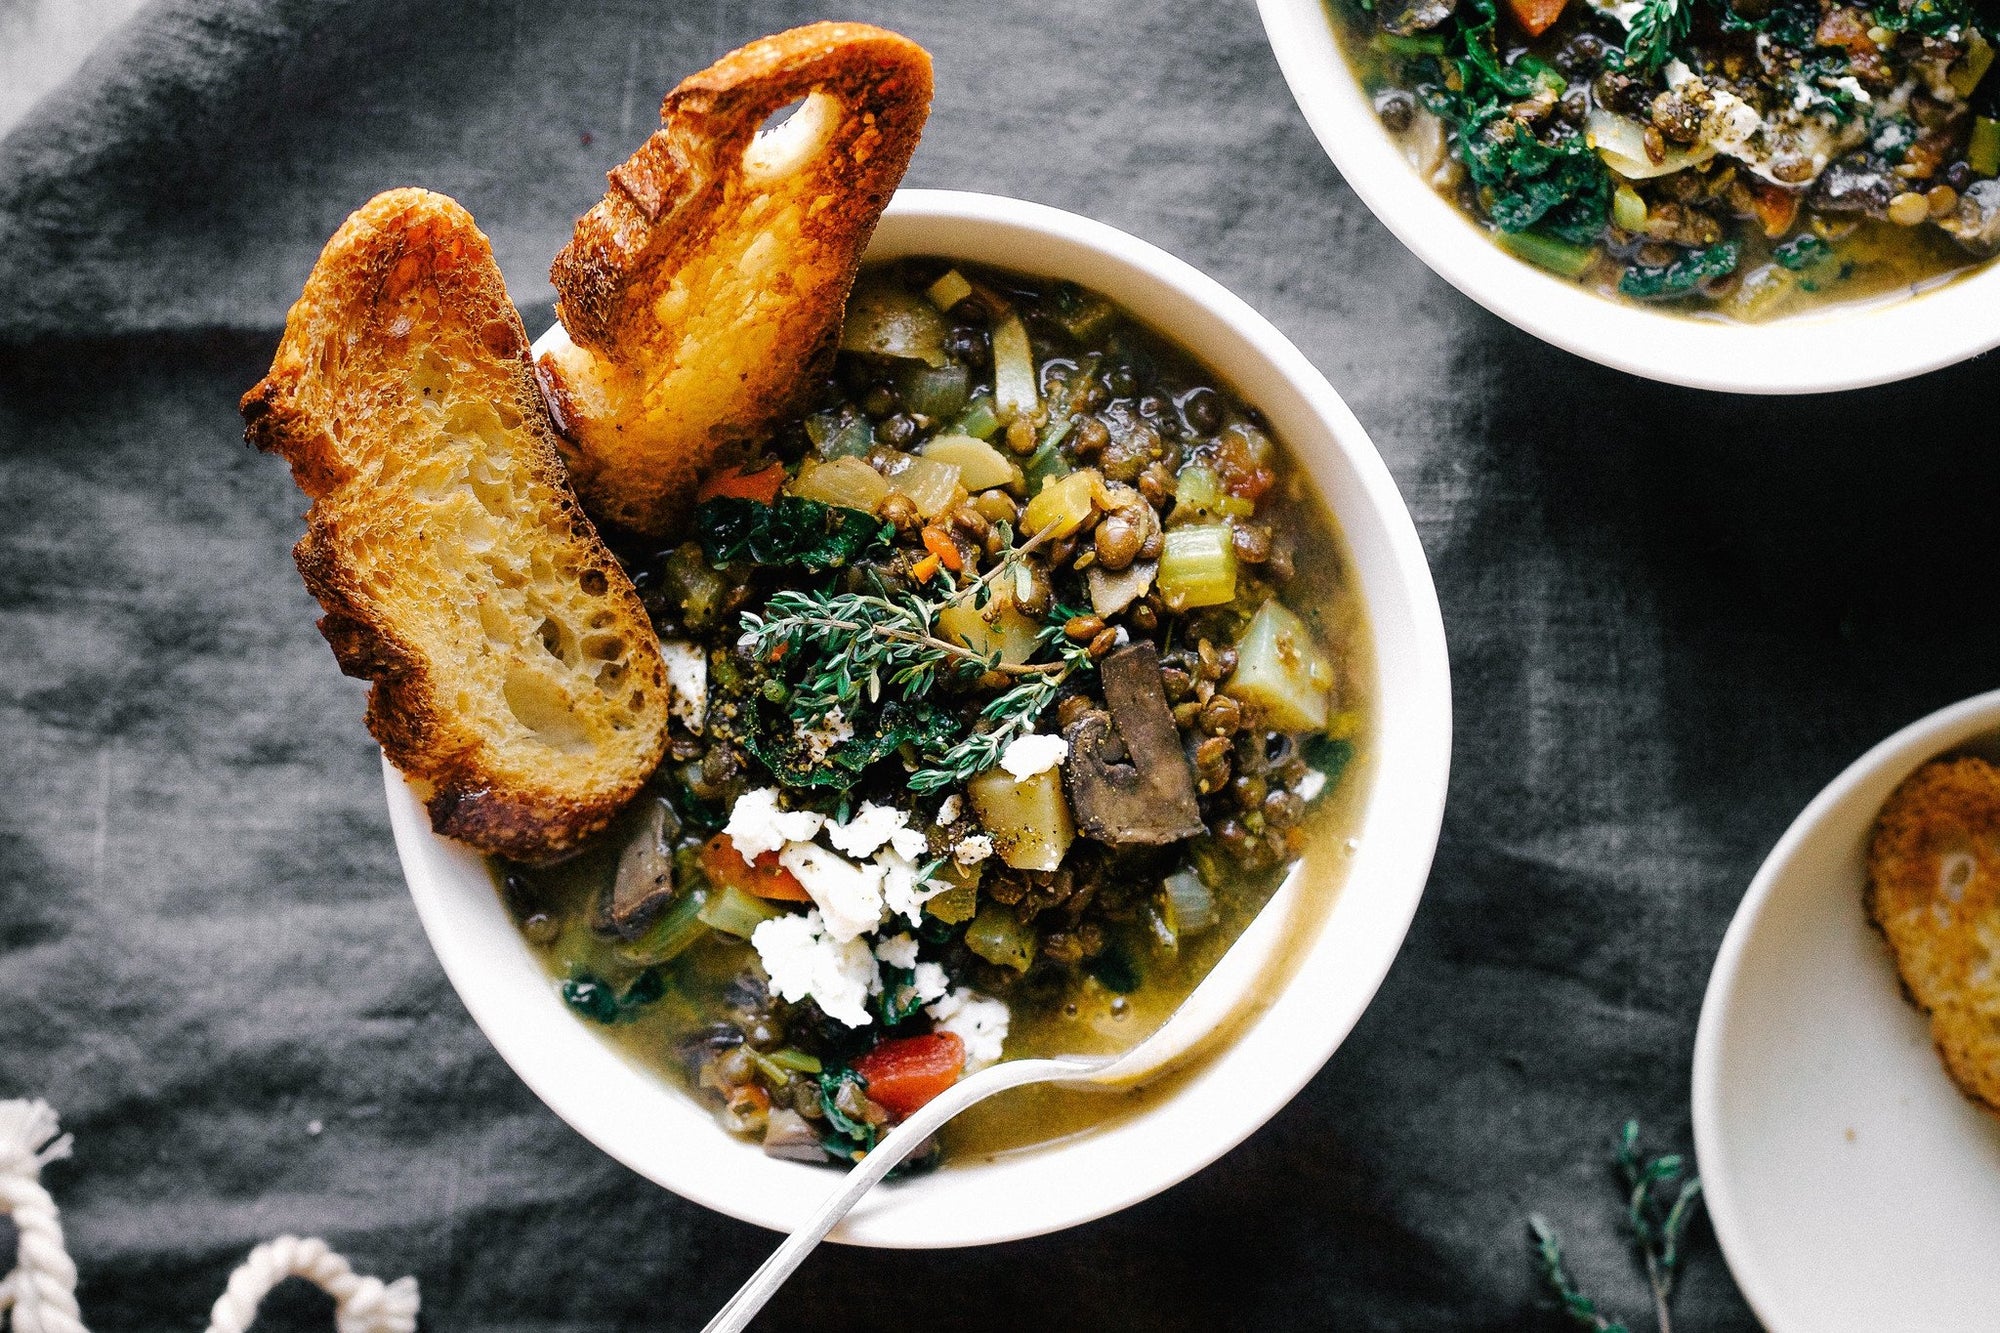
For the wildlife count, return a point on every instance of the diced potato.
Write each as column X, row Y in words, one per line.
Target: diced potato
column 981, row 467
column 847, row 482
column 1028, row 820
column 1015, row 393
column 1008, row 633
column 1066, row 503
column 1198, row 565
column 885, row 320
column 1281, row 668
column 931, row 485
column 949, row 290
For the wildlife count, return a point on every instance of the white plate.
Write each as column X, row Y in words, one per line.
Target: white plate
column 1843, row 349
column 1850, row 1184
column 637, row 1117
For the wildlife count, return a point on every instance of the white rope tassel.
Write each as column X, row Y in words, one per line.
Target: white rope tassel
column 42, row 1288
column 360, row 1304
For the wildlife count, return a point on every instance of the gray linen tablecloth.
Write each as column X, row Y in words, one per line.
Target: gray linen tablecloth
column 1673, row 616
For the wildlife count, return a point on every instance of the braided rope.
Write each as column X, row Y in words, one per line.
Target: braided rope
column 41, row 1291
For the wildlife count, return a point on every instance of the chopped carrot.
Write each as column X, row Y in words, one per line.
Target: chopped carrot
column 736, row 484
column 925, row 569
column 939, row 543
column 903, row 1073
column 1536, row 16
column 764, row 878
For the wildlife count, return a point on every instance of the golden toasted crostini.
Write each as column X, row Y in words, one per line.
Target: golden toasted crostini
column 1934, row 890
column 517, row 678
column 702, row 295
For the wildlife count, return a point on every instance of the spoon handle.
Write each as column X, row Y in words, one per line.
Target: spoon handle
column 882, row 1159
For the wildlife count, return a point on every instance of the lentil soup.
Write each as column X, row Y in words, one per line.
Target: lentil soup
column 1010, row 681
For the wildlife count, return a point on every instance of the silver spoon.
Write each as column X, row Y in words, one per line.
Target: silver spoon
column 1199, row 1016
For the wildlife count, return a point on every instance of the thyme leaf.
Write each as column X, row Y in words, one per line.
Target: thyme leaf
column 1656, row 29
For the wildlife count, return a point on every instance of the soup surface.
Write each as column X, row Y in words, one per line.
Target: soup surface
column 1741, row 159
column 1009, row 684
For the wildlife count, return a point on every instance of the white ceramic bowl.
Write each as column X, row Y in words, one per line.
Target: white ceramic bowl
column 1844, row 349
column 661, row 1133
column 1850, row 1184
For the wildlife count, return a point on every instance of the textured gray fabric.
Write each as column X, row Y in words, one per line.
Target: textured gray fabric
column 1673, row 616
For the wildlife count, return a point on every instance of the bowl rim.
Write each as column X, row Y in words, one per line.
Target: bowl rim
column 1906, row 749
column 1850, row 347
column 1088, row 1176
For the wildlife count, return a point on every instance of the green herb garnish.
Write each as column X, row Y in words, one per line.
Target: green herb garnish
column 1659, row 1206
column 1656, row 29
column 792, row 532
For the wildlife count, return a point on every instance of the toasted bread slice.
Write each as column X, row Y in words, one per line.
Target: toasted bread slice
column 701, row 297
column 1934, row 890
column 517, row 677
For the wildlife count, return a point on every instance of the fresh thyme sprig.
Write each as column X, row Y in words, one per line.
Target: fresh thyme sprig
column 1659, row 1207
column 1654, row 30
column 1008, row 716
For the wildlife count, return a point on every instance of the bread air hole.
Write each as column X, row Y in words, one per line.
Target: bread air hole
column 1955, row 870
column 538, row 703
column 784, row 145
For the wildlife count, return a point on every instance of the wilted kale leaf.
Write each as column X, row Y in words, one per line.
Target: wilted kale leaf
column 792, row 532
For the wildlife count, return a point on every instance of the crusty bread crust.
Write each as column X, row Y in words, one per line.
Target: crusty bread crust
column 702, row 295
column 1934, row 891
column 517, row 678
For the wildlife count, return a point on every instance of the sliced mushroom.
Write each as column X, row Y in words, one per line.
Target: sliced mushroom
column 1111, row 592
column 644, row 883
column 1128, row 779
column 791, row 1136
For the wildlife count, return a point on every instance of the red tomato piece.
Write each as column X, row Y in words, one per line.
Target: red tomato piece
column 764, row 878
column 1536, row 16
column 905, row 1072
column 761, row 485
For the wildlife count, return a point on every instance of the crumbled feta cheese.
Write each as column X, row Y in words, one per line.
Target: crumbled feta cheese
column 756, row 824
column 1028, row 755
column 929, row 982
column 849, row 896
column 977, row 1021
column 909, row 843
column 687, row 683
column 820, row 739
column 1311, row 785
column 803, row 960
column 898, row 951
column 971, row 851
column 949, row 809
column 904, row 892
column 1622, row 10
column 870, row 827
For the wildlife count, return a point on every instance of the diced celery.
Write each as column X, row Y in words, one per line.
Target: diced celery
column 734, row 912
column 670, row 935
column 797, row 1061
column 936, row 393
column 1029, row 820
column 978, row 419
column 1008, row 632
column 1045, row 465
column 1964, row 76
column 1197, row 496
column 1065, row 504
column 1762, row 293
column 846, row 482
column 845, row 434
column 1281, row 668
column 1015, row 393
column 998, row 936
column 1428, row 44
column 980, row 466
column 955, row 904
column 1982, row 152
column 930, row 484
column 949, row 290
column 1557, row 256
column 1198, row 566
column 686, row 578
column 1193, row 905
column 885, row 320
